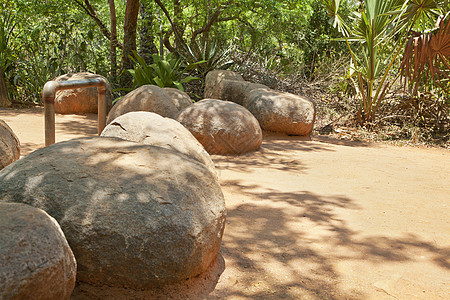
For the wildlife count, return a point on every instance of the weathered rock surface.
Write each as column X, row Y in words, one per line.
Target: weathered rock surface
column 222, row 127
column 152, row 129
column 80, row 101
column 35, row 259
column 235, row 91
column 9, row 145
column 135, row 215
column 213, row 78
column 182, row 100
column 282, row 112
column 149, row 98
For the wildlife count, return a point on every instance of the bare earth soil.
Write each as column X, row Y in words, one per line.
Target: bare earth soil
column 319, row 219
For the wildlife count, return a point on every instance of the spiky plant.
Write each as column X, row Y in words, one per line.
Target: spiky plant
column 429, row 54
column 379, row 25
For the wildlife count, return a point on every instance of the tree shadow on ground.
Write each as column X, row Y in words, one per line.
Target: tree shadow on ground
column 288, row 245
column 85, row 124
column 13, row 112
column 274, row 152
column 340, row 142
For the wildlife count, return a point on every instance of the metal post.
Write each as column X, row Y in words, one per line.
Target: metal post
column 49, row 94
column 101, row 118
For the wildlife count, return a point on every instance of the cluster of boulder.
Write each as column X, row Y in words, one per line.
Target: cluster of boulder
column 232, row 116
column 221, row 127
column 275, row 111
column 139, row 206
column 135, row 215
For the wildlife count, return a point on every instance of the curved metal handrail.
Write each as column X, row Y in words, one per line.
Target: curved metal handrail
column 49, row 94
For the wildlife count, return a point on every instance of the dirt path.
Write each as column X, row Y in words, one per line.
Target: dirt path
column 320, row 219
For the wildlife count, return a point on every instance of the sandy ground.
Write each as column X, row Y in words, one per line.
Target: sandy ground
column 319, row 219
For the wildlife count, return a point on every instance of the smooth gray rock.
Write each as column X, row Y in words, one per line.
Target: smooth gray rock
column 135, row 216
column 149, row 98
column 282, row 112
column 9, row 145
column 35, row 259
column 222, row 127
column 152, row 129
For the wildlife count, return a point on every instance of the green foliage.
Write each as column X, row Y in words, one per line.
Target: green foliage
column 212, row 55
column 48, row 39
column 380, row 28
column 7, row 25
column 164, row 72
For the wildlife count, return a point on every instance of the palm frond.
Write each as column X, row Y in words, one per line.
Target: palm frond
column 428, row 54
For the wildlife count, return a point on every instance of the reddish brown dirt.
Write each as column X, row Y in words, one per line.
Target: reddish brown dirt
column 319, row 219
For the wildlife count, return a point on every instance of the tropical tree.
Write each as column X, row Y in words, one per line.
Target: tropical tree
column 380, row 29
column 7, row 24
column 129, row 29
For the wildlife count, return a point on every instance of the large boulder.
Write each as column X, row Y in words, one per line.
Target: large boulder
column 145, row 98
column 152, row 129
column 9, row 145
column 235, row 91
column 222, row 127
column 213, row 78
column 135, row 216
column 82, row 100
column 182, row 100
column 35, row 260
column 282, row 112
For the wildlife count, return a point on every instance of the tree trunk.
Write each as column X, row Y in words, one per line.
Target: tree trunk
column 89, row 9
column 4, row 98
column 129, row 32
column 113, row 51
column 147, row 46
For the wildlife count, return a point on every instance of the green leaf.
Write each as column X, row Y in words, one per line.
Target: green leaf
column 158, row 82
column 189, row 79
column 178, row 85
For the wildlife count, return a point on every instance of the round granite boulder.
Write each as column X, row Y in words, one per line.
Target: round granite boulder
column 152, row 129
column 35, row 259
column 9, row 145
column 136, row 216
column 82, row 100
column 213, row 78
column 236, row 91
column 145, row 98
column 222, row 127
column 182, row 100
column 282, row 112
